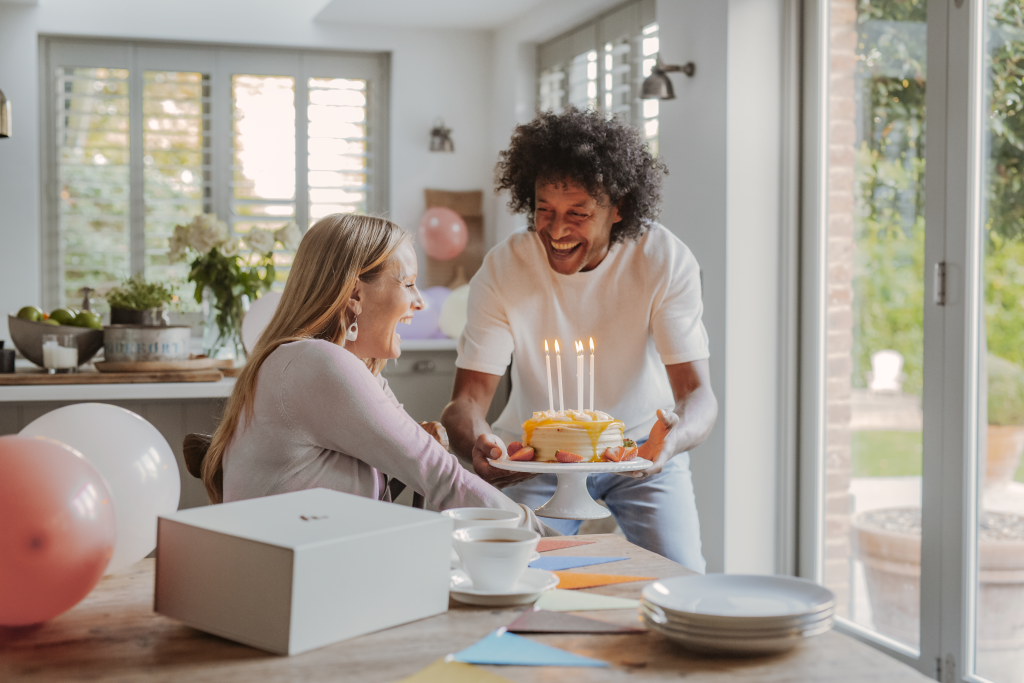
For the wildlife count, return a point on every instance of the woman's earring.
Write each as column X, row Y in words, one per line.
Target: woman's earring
column 353, row 331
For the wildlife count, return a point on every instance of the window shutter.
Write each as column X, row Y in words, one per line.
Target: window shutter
column 601, row 65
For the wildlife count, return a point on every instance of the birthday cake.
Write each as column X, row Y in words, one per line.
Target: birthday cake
column 572, row 436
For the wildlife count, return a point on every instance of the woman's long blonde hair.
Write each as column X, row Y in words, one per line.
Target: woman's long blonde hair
column 338, row 250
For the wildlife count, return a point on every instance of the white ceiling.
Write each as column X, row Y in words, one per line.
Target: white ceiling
column 467, row 14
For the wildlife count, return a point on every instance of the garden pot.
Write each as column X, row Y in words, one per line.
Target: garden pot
column 1002, row 456
column 888, row 542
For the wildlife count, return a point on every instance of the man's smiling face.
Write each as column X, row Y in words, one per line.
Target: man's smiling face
column 574, row 227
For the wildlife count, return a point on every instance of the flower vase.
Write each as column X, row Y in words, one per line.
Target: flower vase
column 220, row 343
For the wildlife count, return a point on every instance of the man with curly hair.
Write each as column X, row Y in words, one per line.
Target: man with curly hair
column 592, row 262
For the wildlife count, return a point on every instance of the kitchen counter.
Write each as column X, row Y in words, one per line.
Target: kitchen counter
column 421, row 379
column 72, row 393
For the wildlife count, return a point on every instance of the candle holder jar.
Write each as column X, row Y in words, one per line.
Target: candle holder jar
column 60, row 353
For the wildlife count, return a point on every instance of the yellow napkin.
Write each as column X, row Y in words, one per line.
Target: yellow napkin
column 571, row 580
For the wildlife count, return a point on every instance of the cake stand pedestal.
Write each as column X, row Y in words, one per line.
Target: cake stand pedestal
column 572, row 499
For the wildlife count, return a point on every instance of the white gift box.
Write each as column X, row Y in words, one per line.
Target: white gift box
column 297, row 571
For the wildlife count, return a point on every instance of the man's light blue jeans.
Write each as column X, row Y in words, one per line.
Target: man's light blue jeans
column 658, row 513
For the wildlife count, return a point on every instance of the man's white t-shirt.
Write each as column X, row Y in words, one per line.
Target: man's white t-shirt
column 641, row 304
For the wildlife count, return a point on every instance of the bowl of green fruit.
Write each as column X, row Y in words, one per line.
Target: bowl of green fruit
column 28, row 326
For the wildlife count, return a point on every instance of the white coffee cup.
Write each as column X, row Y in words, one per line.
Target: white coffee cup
column 468, row 517
column 495, row 557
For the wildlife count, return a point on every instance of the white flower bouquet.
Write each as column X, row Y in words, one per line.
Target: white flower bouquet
column 223, row 271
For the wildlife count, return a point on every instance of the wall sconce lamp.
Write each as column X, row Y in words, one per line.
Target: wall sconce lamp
column 657, row 86
column 5, row 116
column 441, row 138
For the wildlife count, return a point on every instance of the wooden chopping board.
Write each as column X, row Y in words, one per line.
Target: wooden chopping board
column 190, row 365
column 38, row 377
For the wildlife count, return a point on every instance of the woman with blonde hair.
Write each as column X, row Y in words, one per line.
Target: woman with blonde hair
column 310, row 408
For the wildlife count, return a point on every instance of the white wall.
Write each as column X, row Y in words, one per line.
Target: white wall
column 433, row 73
column 720, row 139
column 753, row 285
column 19, row 162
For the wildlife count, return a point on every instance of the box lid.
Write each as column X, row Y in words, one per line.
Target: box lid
column 303, row 518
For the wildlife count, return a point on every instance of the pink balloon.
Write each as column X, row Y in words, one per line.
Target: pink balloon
column 58, row 529
column 442, row 233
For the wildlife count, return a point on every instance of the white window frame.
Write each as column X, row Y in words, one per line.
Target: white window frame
column 626, row 21
column 955, row 101
column 220, row 62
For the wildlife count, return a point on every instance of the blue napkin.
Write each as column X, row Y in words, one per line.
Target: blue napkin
column 504, row 648
column 557, row 563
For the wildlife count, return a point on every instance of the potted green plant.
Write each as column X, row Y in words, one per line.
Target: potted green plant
column 137, row 302
column 1005, row 420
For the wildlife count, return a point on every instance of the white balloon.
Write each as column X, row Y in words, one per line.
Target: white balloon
column 453, row 313
column 257, row 318
column 135, row 460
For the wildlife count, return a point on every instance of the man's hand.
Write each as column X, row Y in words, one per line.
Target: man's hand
column 437, row 430
column 660, row 445
column 489, row 447
column 688, row 425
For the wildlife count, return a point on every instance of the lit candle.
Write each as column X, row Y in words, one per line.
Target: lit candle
column 591, row 374
column 579, row 373
column 547, row 358
column 558, row 364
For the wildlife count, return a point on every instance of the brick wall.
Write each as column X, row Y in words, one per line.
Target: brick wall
column 842, row 136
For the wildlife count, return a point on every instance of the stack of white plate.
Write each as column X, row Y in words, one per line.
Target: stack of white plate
column 735, row 614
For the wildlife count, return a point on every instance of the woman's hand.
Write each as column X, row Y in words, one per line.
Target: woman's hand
column 436, row 430
column 660, row 445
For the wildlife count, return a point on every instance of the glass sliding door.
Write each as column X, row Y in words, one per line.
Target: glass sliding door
column 873, row 281
column 997, row 545
column 913, row 397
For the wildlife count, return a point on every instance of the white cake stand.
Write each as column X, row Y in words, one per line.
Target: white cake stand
column 572, row 499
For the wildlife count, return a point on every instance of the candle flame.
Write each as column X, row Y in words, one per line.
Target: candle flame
column 591, row 344
column 579, row 348
column 557, row 350
column 546, row 346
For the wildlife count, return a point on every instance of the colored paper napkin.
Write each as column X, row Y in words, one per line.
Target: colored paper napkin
column 504, row 648
column 547, row 544
column 572, row 580
column 581, row 601
column 443, row 671
column 542, row 621
column 554, row 563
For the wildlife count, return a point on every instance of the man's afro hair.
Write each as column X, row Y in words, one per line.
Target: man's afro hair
column 601, row 155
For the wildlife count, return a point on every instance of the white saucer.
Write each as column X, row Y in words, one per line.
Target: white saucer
column 529, row 587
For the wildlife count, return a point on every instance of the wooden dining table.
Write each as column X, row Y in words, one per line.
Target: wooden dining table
column 114, row 635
